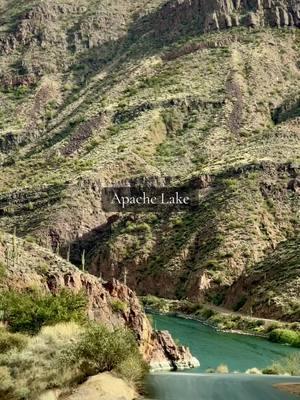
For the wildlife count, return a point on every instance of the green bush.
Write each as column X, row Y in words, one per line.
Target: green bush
column 29, row 311
column 141, row 227
column 187, row 307
column 118, row 306
column 2, row 270
column 10, row 341
column 270, row 371
column 207, row 313
column 41, row 365
column 133, row 370
column 100, row 349
column 173, row 120
column 66, row 354
column 154, row 302
column 285, row 336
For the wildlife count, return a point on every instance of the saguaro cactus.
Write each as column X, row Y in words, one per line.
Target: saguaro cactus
column 83, row 260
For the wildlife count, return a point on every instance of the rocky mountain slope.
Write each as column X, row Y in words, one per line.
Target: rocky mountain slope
column 25, row 266
column 161, row 92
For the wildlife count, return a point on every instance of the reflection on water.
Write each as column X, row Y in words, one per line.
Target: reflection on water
column 217, row 387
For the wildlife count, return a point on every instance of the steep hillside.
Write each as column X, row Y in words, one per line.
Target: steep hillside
column 26, row 267
column 161, row 92
column 273, row 287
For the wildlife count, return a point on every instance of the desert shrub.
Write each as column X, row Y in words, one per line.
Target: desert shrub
column 222, row 369
column 210, row 371
column 285, row 336
column 189, row 308
column 29, row 311
column 133, row 370
column 287, row 365
column 64, row 354
column 218, row 299
column 100, row 349
column 295, row 326
column 173, row 120
column 212, row 264
column 62, row 333
column 269, row 371
column 20, row 91
column 154, row 302
column 274, row 325
column 231, row 183
column 2, row 270
column 228, row 324
column 141, row 227
column 10, row 341
column 254, row 371
column 6, row 384
column 41, row 364
column 118, row 306
column 207, row 313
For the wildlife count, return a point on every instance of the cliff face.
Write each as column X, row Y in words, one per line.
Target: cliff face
column 222, row 14
column 34, row 267
column 178, row 17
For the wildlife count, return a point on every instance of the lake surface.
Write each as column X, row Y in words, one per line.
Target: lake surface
column 212, row 348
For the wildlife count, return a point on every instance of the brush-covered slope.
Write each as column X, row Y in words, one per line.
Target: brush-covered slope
column 94, row 93
column 273, row 287
column 26, row 267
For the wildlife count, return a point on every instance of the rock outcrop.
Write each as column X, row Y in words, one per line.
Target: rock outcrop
column 224, row 14
column 167, row 355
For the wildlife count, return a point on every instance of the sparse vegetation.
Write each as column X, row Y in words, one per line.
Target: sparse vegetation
column 288, row 365
column 155, row 303
column 222, row 369
column 118, row 306
column 9, row 341
column 65, row 354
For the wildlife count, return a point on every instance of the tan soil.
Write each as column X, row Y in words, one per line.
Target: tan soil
column 293, row 388
column 103, row 387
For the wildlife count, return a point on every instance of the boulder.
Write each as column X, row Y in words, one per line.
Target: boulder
column 167, row 355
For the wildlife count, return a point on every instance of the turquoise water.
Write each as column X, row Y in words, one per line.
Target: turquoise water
column 212, row 348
